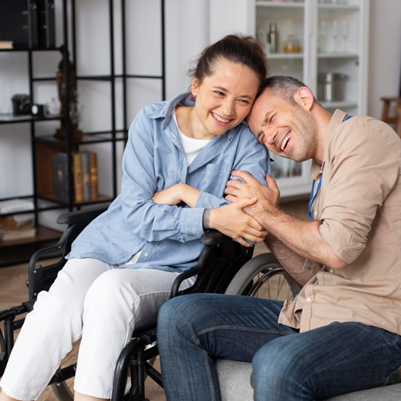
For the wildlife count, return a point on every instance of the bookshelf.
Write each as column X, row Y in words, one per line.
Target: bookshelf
column 43, row 147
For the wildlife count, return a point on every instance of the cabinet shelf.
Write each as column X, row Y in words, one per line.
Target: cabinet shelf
column 12, row 119
column 345, row 7
column 88, row 138
column 274, row 4
column 344, row 104
column 285, row 56
column 50, row 196
column 42, row 234
column 27, row 49
column 338, row 55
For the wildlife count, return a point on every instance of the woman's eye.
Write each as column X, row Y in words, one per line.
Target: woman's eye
column 245, row 101
column 219, row 93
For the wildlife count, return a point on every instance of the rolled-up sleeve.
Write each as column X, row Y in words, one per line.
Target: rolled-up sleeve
column 358, row 177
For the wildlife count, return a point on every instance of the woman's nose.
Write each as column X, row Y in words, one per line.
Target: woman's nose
column 228, row 108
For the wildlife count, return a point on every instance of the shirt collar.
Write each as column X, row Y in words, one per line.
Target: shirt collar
column 336, row 120
column 185, row 99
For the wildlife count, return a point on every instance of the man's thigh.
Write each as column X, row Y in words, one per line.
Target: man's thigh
column 231, row 327
column 335, row 359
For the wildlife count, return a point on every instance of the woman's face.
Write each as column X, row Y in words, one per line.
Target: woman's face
column 224, row 98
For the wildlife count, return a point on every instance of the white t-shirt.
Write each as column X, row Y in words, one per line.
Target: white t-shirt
column 191, row 146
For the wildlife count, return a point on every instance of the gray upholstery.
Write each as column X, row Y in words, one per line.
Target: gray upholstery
column 235, row 385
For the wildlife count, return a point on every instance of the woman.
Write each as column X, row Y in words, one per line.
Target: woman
column 121, row 267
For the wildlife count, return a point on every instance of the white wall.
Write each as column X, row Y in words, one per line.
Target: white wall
column 384, row 53
column 187, row 33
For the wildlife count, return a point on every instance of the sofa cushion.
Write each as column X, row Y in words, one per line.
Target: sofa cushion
column 235, row 385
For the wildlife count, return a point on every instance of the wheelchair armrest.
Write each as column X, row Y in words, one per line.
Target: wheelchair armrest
column 81, row 215
column 213, row 237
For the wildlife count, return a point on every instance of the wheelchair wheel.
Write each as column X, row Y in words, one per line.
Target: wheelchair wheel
column 263, row 277
column 64, row 390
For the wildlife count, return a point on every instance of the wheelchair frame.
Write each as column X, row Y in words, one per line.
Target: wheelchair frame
column 218, row 263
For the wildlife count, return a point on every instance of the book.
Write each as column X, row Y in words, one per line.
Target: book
column 14, row 22
column 47, row 33
column 15, row 205
column 61, row 177
column 33, row 34
column 77, row 173
column 17, row 220
column 94, row 185
column 86, row 177
column 6, row 44
column 10, row 227
column 17, row 235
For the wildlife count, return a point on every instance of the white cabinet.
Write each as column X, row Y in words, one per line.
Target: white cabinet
column 330, row 55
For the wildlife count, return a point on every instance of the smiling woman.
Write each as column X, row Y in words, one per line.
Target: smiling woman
column 178, row 159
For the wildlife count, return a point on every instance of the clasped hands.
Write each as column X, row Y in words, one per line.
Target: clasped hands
column 241, row 219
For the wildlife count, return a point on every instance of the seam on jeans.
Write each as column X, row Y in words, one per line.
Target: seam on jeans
column 239, row 328
column 209, row 376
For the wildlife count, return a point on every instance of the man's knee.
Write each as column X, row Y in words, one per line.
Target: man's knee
column 178, row 316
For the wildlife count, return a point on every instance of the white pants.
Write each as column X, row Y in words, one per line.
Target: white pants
column 89, row 299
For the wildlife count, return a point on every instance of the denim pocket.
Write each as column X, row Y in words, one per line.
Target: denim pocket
column 393, row 378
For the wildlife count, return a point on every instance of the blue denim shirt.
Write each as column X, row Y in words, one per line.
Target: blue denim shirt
column 153, row 160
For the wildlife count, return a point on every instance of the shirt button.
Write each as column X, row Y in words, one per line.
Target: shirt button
column 146, row 254
column 309, row 299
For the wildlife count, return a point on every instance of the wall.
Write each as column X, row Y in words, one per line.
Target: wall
column 187, row 33
column 384, row 53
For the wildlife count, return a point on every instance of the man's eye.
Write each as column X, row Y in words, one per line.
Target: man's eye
column 272, row 118
column 261, row 138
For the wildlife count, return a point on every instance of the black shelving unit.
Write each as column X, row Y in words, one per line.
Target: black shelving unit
column 20, row 251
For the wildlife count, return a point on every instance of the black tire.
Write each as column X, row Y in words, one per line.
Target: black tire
column 263, row 274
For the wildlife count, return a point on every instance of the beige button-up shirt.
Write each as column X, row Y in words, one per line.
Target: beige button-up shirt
column 359, row 206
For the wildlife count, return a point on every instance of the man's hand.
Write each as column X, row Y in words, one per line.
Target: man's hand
column 268, row 197
column 233, row 222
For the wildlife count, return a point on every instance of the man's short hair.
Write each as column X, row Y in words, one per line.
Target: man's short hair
column 284, row 86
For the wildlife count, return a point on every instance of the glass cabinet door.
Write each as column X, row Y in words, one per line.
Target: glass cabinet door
column 323, row 43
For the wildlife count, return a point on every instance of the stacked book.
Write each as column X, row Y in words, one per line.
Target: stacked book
column 16, row 226
column 85, row 176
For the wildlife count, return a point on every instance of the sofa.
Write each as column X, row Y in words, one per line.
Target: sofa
column 235, row 385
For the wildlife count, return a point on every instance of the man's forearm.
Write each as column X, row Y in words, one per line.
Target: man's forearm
column 302, row 237
column 291, row 261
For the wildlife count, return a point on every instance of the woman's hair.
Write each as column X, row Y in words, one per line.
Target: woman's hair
column 238, row 49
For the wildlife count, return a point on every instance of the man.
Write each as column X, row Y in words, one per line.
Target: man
column 341, row 333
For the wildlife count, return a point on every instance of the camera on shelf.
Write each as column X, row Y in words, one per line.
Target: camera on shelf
column 21, row 104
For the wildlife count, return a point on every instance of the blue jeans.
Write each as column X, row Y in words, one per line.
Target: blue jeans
column 194, row 330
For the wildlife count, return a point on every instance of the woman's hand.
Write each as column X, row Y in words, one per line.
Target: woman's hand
column 233, row 222
column 176, row 194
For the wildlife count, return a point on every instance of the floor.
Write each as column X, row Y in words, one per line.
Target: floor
column 13, row 291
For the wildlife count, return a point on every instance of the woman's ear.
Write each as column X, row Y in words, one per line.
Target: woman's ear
column 304, row 97
column 194, row 86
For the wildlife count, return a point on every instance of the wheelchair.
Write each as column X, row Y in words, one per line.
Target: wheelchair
column 224, row 266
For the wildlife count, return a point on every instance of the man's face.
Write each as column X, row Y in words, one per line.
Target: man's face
column 285, row 128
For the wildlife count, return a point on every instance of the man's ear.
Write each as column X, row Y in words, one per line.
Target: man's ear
column 304, row 97
column 194, row 86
